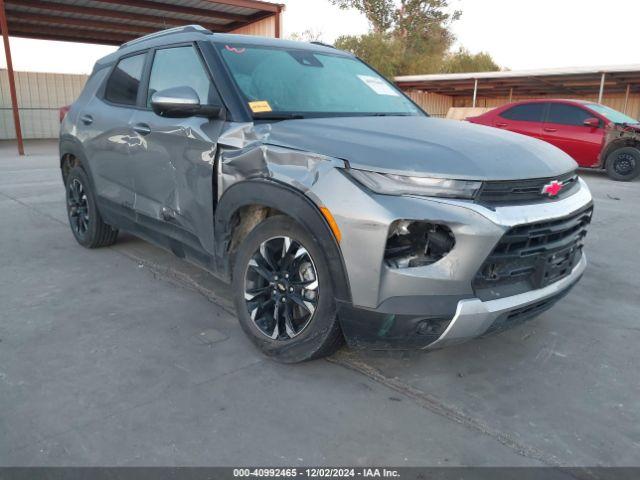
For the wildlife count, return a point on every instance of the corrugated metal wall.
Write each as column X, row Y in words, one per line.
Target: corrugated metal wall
column 40, row 95
column 263, row 28
column 435, row 104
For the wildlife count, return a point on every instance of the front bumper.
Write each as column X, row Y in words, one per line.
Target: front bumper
column 433, row 305
column 473, row 318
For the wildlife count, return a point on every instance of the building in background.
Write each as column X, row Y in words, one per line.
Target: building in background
column 615, row 86
column 29, row 102
column 40, row 96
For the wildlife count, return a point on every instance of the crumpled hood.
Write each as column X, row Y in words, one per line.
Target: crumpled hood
column 424, row 146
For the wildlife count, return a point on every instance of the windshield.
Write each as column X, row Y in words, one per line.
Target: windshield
column 280, row 82
column 611, row 114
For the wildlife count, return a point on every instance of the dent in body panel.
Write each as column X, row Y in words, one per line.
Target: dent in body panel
column 250, row 152
column 247, row 152
column 173, row 170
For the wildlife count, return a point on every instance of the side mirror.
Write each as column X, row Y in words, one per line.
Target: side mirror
column 592, row 122
column 180, row 102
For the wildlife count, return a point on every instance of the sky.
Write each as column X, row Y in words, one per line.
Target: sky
column 519, row 34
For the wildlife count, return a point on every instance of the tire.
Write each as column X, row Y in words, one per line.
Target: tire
column 298, row 281
column 85, row 221
column 623, row 164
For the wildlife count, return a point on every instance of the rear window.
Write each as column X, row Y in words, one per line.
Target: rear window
column 567, row 114
column 529, row 112
column 124, row 82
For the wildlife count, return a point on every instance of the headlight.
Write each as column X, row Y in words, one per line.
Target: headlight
column 391, row 184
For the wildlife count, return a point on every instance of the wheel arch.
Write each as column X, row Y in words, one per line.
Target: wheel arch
column 71, row 155
column 263, row 198
column 618, row 143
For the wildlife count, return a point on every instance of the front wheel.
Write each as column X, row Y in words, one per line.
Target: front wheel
column 283, row 293
column 623, row 164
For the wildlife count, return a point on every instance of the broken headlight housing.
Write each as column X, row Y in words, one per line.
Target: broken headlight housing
column 416, row 244
column 391, row 184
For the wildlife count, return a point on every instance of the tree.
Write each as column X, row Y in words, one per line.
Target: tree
column 306, row 36
column 409, row 37
column 380, row 13
column 377, row 49
column 465, row 61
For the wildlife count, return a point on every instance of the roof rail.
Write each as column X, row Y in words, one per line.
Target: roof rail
column 169, row 31
column 322, row 44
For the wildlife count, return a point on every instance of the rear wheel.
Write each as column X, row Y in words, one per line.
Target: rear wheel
column 283, row 293
column 84, row 219
column 623, row 164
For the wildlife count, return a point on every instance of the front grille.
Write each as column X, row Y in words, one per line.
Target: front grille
column 514, row 192
column 522, row 314
column 532, row 256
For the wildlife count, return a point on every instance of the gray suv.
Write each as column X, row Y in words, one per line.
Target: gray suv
column 334, row 205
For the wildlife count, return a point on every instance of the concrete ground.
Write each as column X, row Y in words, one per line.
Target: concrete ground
column 129, row 356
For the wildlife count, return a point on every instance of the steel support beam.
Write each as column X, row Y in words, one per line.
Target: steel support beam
column 626, row 98
column 257, row 5
column 37, row 31
column 159, row 19
column 601, row 94
column 30, row 18
column 12, row 81
column 475, row 92
column 278, row 20
column 176, row 8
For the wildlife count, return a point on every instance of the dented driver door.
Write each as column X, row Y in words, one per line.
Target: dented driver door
column 172, row 163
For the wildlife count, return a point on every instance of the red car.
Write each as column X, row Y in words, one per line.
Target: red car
column 596, row 136
column 62, row 112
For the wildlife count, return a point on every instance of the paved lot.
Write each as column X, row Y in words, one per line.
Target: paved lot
column 129, row 356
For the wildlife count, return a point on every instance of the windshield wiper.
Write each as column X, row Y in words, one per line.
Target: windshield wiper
column 278, row 116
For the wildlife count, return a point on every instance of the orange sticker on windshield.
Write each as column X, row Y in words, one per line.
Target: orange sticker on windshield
column 260, row 107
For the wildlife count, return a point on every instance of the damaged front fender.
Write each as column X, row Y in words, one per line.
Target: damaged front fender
column 248, row 151
column 253, row 171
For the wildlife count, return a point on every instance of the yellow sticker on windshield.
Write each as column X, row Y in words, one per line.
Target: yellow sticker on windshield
column 260, row 107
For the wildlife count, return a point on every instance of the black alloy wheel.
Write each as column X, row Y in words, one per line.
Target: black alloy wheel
column 87, row 225
column 281, row 288
column 283, row 292
column 78, row 208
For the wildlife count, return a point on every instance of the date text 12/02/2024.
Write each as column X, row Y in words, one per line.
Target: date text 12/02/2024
column 316, row 472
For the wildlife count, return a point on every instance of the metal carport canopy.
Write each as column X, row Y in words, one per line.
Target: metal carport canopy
column 569, row 82
column 113, row 22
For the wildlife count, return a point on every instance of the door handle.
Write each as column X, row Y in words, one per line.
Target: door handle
column 501, row 125
column 142, row 128
column 547, row 129
column 86, row 119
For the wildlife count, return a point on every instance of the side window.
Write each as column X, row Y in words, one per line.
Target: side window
column 567, row 114
column 180, row 67
column 529, row 112
column 124, row 82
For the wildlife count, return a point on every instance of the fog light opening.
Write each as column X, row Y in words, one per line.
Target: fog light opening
column 432, row 327
column 416, row 244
